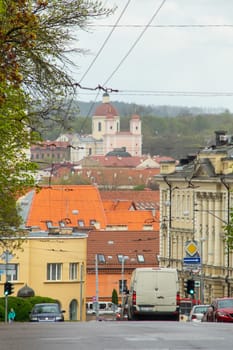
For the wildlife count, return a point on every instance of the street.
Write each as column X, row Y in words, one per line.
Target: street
column 110, row 335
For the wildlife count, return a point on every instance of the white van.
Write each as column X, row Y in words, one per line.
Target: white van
column 153, row 294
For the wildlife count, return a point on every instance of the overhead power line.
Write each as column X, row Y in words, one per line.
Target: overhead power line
column 163, row 25
column 95, row 58
column 170, row 93
column 136, row 41
column 105, row 42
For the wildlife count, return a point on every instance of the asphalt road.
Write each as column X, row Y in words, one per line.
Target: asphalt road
column 116, row 335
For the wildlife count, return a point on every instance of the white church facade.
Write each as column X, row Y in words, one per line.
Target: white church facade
column 106, row 134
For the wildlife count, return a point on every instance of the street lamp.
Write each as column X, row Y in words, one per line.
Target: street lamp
column 123, row 258
column 99, row 258
column 201, row 275
column 96, row 287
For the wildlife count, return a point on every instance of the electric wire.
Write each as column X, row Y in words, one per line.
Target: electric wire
column 135, row 43
column 168, row 93
column 105, row 42
column 165, row 25
column 92, row 63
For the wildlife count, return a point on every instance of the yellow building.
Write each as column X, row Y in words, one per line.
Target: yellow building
column 195, row 202
column 53, row 265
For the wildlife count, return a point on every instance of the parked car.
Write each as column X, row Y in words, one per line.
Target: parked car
column 46, row 312
column 197, row 312
column 220, row 310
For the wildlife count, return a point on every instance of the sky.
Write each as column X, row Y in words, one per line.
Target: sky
column 160, row 52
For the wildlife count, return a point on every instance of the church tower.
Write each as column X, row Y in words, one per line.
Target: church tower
column 106, row 120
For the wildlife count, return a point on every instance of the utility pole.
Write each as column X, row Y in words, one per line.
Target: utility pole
column 81, row 292
column 97, row 286
column 6, row 255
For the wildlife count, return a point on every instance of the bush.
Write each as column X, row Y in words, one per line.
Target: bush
column 22, row 306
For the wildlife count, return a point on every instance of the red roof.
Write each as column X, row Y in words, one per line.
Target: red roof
column 106, row 109
column 130, row 244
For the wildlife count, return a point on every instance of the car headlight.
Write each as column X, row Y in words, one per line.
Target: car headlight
column 58, row 318
column 34, row 318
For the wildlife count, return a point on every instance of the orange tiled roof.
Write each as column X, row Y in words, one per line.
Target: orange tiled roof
column 55, row 203
column 116, row 205
column 134, row 220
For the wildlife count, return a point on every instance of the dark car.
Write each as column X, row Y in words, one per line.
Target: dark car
column 46, row 312
column 220, row 310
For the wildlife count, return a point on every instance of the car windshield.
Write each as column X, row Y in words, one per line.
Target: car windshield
column 225, row 303
column 45, row 309
column 200, row 309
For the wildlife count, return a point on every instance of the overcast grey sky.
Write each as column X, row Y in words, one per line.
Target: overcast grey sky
column 163, row 52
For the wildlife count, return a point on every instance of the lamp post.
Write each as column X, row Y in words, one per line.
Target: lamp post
column 169, row 205
column 97, row 287
column 124, row 257
column 201, row 275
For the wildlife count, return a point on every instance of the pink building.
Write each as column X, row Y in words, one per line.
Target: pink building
column 106, row 127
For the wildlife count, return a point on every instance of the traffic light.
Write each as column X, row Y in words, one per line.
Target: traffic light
column 8, row 288
column 191, row 287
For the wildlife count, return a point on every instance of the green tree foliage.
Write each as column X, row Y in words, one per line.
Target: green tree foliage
column 228, row 229
column 114, row 297
column 22, row 306
column 35, row 39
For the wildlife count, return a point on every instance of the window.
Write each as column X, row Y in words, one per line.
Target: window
column 141, row 258
column 92, row 222
column 101, row 258
column 73, row 271
column 12, row 273
column 54, row 272
column 122, row 258
column 81, row 223
column 99, row 126
column 49, row 224
column 62, row 223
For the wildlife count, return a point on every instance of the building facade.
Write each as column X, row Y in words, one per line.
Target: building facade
column 53, row 264
column 195, row 204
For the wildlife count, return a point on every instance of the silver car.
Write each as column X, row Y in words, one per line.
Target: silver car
column 197, row 313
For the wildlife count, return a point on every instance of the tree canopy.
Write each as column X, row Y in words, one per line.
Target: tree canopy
column 35, row 39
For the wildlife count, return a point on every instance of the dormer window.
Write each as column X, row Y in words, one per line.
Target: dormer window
column 101, row 258
column 62, row 224
column 81, row 223
column 141, row 258
column 92, row 222
column 49, row 224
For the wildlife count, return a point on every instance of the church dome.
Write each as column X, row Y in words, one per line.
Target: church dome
column 106, row 109
column 119, row 152
column 25, row 292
